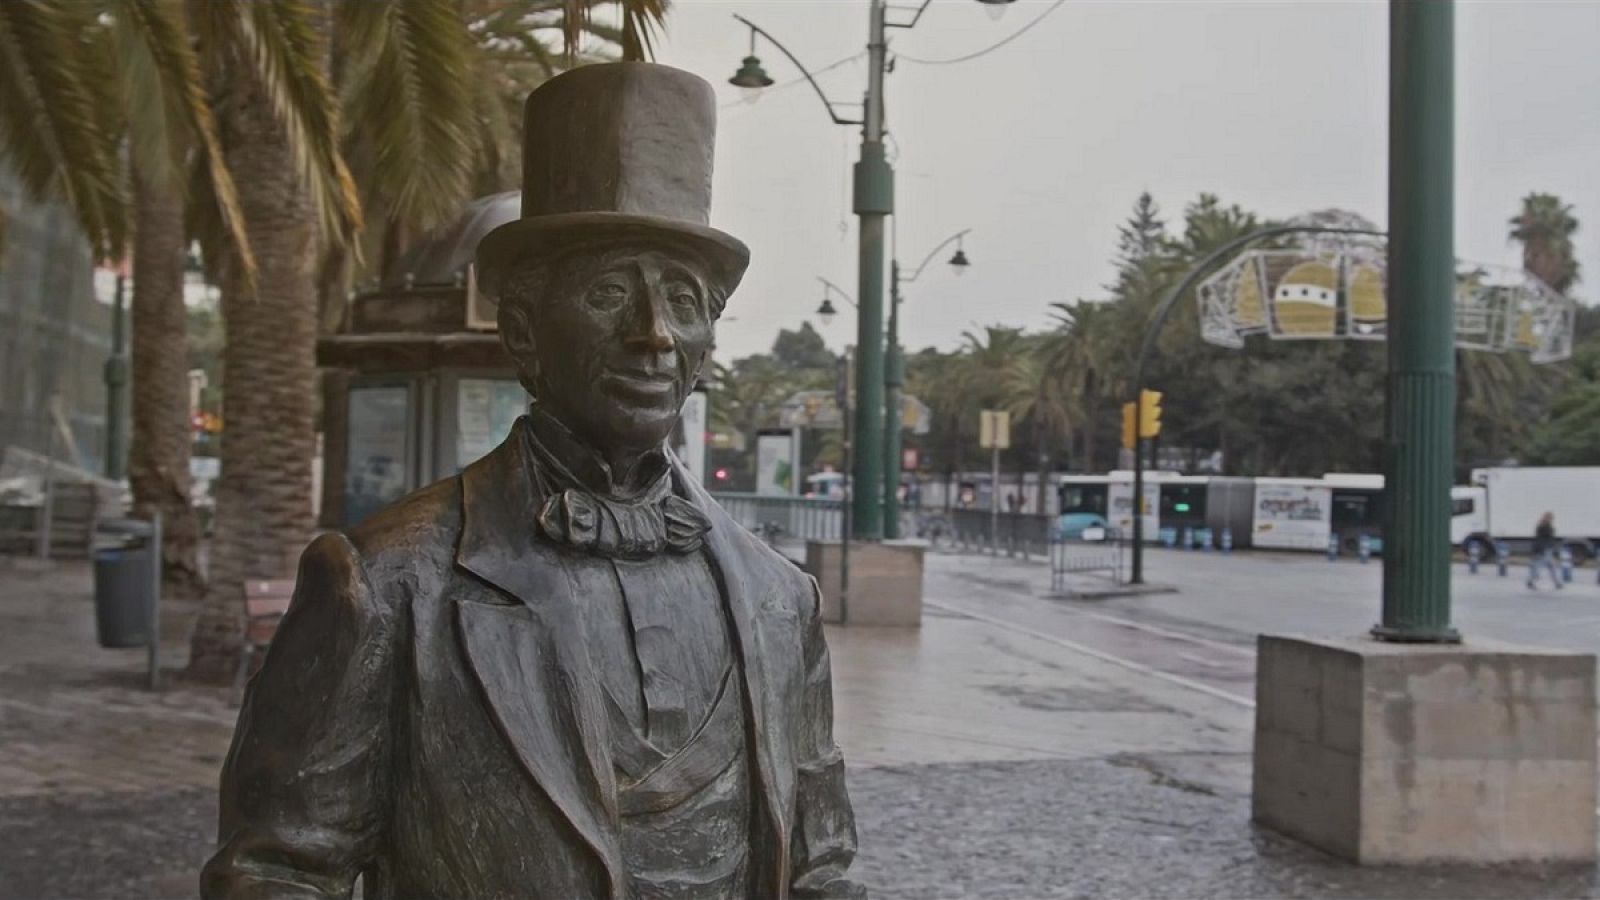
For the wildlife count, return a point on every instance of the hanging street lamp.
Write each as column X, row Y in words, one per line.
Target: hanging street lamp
column 894, row 379
column 873, row 201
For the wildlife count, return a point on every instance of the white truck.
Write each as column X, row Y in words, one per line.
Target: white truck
column 1504, row 504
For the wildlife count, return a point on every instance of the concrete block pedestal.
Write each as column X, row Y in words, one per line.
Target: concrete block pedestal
column 1379, row 752
column 885, row 581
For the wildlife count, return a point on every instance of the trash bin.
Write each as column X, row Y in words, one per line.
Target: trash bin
column 124, row 585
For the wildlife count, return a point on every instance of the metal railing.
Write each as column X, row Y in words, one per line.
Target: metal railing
column 1014, row 534
column 803, row 518
column 1082, row 556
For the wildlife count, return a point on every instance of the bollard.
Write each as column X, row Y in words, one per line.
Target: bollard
column 1190, row 539
column 1333, row 547
column 1502, row 554
column 1205, row 540
column 1363, row 548
column 1566, row 564
column 1227, row 540
column 1474, row 550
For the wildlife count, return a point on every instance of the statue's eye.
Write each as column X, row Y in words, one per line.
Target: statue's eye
column 608, row 293
column 684, row 299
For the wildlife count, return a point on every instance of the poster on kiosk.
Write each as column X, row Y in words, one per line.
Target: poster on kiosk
column 776, row 454
column 1120, row 496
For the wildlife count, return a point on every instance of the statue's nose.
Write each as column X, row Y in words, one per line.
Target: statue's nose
column 648, row 331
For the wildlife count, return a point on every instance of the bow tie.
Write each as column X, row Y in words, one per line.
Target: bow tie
column 620, row 530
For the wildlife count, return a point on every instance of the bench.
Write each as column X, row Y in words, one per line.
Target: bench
column 63, row 527
column 265, row 602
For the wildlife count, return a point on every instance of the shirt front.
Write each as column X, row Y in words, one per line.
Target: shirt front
column 662, row 648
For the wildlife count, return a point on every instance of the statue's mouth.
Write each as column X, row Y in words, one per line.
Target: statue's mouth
column 641, row 383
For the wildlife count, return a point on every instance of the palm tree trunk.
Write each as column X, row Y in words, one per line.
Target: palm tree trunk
column 1042, row 489
column 158, row 457
column 264, row 505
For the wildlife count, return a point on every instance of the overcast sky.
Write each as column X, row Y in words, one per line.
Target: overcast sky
column 1042, row 146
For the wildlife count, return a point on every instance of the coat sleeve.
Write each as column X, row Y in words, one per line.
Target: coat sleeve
column 303, row 801
column 824, row 841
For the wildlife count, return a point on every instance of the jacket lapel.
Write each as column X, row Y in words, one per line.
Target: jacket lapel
column 531, row 658
column 743, row 567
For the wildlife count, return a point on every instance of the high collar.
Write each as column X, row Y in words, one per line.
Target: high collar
column 571, row 463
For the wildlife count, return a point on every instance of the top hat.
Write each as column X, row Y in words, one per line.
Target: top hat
column 615, row 152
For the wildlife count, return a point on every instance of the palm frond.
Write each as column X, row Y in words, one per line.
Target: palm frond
column 286, row 52
column 55, row 113
column 165, row 86
column 409, row 89
column 641, row 19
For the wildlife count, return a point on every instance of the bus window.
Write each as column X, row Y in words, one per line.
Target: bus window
column 1083, row 498
column 1356, row 510
column 1184, row 503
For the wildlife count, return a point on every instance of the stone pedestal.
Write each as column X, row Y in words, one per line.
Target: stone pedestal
column 885, row 581
column 1409, row 753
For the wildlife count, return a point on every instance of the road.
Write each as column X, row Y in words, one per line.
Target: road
column 1202, row 632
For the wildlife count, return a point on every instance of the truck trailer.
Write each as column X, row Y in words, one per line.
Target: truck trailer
column 1504, row 504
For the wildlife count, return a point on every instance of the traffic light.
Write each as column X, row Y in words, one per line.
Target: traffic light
column 1149, row 413
column 1128, row 426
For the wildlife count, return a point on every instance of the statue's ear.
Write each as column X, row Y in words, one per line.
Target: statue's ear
column 516, row 335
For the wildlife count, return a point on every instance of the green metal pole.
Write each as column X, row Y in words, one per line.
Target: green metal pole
column 116, row 379
column 1419, row 445
column 893, row 378
column 874, row 200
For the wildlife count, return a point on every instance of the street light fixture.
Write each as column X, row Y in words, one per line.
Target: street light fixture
column 751, row 75
column 996, row 8
column 958, row 262
column 894, row 377
column 873, row 201
column 827, row 310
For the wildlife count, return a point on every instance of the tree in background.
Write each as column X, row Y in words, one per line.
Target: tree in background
column 107, row 110
column 802, row 348
column 1569, row 435
column 1545, row 226
column 1561, row 424
column 406, row 67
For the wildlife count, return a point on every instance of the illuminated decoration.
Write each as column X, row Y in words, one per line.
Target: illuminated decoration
column 1332, row 287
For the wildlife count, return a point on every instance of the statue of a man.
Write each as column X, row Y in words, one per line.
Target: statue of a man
column 566, row 673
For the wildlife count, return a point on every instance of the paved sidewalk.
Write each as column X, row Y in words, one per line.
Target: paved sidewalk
column 987, row 760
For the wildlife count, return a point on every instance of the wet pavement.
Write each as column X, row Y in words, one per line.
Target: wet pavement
column 1017, row 745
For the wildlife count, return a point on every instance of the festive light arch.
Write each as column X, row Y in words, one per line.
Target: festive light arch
column 1331, row 286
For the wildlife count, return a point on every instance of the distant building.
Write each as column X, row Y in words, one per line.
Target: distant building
column 55, row 335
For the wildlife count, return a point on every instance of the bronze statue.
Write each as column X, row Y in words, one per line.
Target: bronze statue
column 566, row 673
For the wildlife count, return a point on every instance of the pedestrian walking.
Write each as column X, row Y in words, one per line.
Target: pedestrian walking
column 1544, row 551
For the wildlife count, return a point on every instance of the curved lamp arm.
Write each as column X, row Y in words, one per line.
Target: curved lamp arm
column 797, row 64
column 838, row 290
column 1159, row 318
column 935, row 252
column 1153, row 331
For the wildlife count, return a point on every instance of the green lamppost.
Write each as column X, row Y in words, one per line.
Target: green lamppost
column 1419, row 444
column 873, row 201
column 894, row 378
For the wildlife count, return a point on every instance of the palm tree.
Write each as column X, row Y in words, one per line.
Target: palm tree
column 266, row 63
column 1082, row 357
column 131, row 80
column 407, row 63
column 1545, row 227
column 56, row 88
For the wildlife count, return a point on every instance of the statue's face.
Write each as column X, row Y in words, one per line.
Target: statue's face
column 612, row 341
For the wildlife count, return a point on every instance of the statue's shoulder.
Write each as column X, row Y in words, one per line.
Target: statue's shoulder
column 416, row 528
